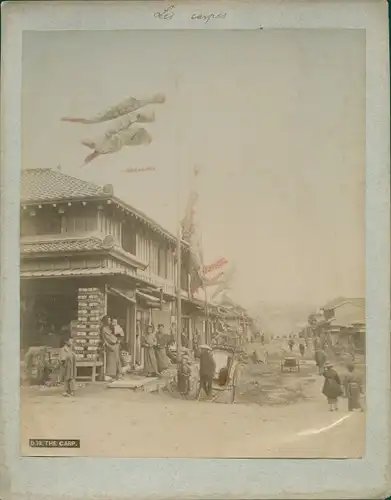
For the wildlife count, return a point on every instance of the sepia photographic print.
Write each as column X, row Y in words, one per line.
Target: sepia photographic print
column 194, row 250
column 192, row 275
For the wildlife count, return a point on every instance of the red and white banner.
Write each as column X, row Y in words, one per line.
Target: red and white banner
column 216, row 265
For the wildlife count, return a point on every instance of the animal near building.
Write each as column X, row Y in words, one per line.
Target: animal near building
column 85, row 253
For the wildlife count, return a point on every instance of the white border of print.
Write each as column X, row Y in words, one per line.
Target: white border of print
column 87, row 478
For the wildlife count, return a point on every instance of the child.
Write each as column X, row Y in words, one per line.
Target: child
column 68, row 364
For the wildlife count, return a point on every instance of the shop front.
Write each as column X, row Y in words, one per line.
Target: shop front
column 58, row 308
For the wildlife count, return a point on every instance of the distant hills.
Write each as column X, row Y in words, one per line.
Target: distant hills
column 281, row 318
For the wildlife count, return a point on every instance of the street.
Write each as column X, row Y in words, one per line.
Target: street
column 122, row 423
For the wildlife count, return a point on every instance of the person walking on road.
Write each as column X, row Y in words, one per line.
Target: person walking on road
column 207, row 370
column 302, row 346
column 320, row 359
column 291, row 343
column 332, row 386
column 353, row 387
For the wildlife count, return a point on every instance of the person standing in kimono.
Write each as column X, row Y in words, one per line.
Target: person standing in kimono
column 112, row 348
column 332, row 386
column 68, row 368
column 160, row 350
column 149, row 344
column 353, row 387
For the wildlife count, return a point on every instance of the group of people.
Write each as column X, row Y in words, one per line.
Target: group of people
column 154, row 343
column 333, row 387
column 112, row 336
column 156, row 360
column 302, row 344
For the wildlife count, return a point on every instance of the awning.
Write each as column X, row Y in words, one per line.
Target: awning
column 125, row 294
column 150, row 298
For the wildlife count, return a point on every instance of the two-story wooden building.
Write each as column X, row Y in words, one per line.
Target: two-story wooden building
column 347, row 321
column 76, row 235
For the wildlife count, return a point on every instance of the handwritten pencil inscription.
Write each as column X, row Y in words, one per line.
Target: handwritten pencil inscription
column 169, row 12
column 200, row 16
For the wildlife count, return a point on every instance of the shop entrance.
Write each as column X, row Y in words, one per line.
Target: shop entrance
column 45, row 318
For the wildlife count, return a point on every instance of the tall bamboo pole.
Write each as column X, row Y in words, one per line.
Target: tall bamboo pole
column 178, row 254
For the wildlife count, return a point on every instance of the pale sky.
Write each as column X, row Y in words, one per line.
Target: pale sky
column 274, row 119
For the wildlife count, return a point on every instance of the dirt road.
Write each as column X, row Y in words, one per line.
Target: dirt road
column 120, row 423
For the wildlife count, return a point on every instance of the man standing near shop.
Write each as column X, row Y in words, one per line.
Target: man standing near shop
column 207, row 370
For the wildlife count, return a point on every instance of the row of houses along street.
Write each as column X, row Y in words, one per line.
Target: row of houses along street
column 86, row 254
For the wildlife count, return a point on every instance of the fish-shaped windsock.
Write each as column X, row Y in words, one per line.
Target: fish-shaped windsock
column 114, row 143
column 123, row 108
column 124, row 123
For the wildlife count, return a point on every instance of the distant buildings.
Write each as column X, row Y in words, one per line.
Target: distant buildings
column 341, row 321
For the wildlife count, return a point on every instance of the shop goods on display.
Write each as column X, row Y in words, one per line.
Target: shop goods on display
column 86, row 333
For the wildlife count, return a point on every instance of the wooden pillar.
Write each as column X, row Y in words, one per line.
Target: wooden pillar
column 203, row 332
column 190, row 328
column 104, row 314
column 131, row 332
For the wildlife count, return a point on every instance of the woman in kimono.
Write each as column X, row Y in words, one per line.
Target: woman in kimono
column 160, row 350
column 353, row 387
column 68, row 368
column 112, row 349
column 149, row 344
column 332, row 386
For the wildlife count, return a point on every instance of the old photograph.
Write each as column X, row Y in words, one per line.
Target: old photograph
column 192, row 244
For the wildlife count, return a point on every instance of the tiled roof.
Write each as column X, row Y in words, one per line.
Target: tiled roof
column 65, row 245
column 357, row 301
column 53, row 273
column 45, row 184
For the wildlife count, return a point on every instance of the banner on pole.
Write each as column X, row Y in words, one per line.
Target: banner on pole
column 216, row 265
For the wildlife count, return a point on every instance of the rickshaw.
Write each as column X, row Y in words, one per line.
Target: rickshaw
column 290, row 364
column 227, row 372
